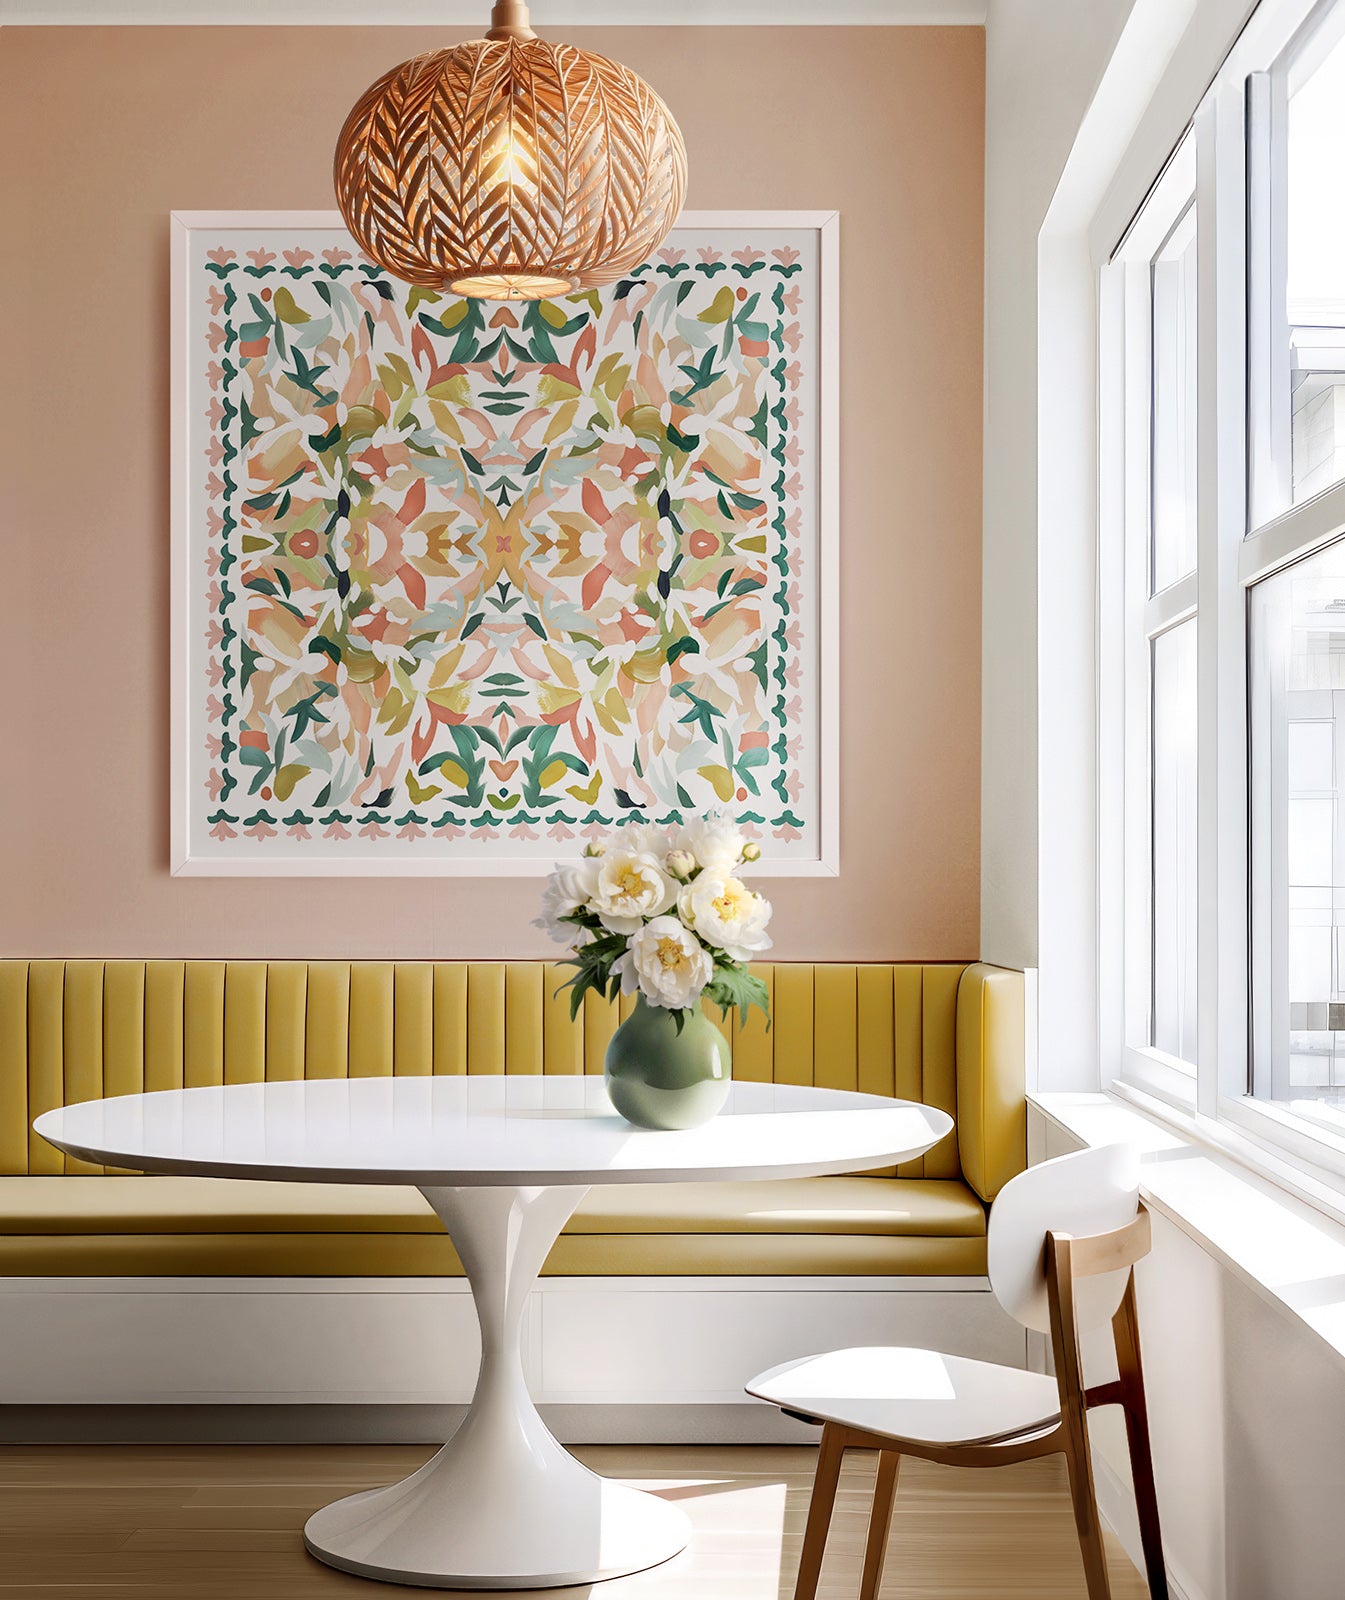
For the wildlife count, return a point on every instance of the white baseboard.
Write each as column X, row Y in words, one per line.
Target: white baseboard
column 752, row 1423
column 1116, row 1506
column 589, row 1342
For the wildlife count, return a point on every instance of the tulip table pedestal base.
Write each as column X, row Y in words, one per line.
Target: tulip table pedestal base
column 504, row 1159
column 503, row 1505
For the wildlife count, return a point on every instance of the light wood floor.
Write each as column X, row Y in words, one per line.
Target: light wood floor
column 223, row 1523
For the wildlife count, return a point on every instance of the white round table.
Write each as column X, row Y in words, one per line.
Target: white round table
column 504, row 1161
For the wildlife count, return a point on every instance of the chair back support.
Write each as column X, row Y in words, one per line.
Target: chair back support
column 1086, row 1193
column 947, row 1034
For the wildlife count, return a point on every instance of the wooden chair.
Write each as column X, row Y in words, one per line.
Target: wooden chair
column 1063, row 1240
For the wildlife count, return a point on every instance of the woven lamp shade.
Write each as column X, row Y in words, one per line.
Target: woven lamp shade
column 510, row 168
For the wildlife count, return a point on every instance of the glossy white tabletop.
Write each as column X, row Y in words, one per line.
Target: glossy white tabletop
column 484, row 1130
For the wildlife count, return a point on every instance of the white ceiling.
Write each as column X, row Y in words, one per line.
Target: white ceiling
column 465, row 13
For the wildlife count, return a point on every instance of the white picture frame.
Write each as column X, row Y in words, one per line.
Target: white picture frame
column 265, row 847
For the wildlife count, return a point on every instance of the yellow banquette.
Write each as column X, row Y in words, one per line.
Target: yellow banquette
column 949, row 1034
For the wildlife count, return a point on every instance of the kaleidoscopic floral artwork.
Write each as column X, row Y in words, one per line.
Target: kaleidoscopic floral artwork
column 464, row 582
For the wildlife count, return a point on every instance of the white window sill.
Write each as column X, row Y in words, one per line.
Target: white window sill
column 1285, row 1250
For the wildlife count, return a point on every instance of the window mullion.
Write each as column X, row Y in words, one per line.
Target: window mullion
column 1222, row 1034
column 1269, row 412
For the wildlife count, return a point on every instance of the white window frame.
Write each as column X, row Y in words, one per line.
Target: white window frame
column 1143, row 616
column 1238, row 135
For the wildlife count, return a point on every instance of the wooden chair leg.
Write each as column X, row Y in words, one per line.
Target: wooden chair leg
column 880, row 1522
column 825, row 1479
column 1126, row 1330
column 1074, row 1411
column 1086, row 1520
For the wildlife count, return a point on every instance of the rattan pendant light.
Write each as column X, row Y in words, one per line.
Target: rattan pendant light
column 509, row 168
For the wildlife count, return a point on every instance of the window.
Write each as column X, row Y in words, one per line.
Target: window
column 1158, row 284
column 1297, row 662
column 1223, row 428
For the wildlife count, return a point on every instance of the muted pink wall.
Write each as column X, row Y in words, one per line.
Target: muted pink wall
column 107, row 130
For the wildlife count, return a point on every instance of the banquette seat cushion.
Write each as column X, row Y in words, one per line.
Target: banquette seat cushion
column 947, row 1034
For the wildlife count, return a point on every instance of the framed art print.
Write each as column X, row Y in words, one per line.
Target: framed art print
column 460, row 583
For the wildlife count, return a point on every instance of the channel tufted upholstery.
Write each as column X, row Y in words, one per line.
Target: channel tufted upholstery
column 948, row 1034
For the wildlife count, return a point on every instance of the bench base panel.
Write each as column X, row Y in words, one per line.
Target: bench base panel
column 594, row 1348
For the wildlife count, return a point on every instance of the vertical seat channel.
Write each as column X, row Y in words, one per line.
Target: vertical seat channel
column 13, row 1068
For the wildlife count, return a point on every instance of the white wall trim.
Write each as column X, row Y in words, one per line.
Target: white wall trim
column 1116, row 1503
column 1165, row 57
column 547, row 14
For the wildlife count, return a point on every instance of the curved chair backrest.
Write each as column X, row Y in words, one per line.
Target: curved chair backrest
column 1090, row 1192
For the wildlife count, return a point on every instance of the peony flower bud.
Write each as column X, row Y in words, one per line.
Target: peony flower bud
column 681, row 863
column 751, row 851
column 596, row 847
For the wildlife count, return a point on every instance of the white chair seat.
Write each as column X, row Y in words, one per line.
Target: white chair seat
column 908, row 1394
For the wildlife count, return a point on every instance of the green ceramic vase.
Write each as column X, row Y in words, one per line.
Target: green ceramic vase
column 659, row 1078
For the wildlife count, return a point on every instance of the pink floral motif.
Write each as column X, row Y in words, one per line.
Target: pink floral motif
column 747, row 257
column 786, row 256
column 214, row 375
column 337, row 830
column 215, row 337
column 260, row 829
column 559, row 831
column 214, row 674
column 673, row 258
column 334, row 257
column 787, row 832
column 214, row 709
column 220, row 256
column 792, row 334
column 216, row 299
column 410, row 830
column 261, row 258
column 298, row 257
column 214, row 452
column 373, row 830
column 214, row 785
column 297, row 830
column 708, row 253
column 214, row 745
column 214, row 413
column 792, row 299
column 222, row 831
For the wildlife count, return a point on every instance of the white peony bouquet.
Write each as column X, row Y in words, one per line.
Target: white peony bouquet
column 662, row 912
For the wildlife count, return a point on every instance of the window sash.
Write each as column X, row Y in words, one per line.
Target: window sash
column 1142, row 616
